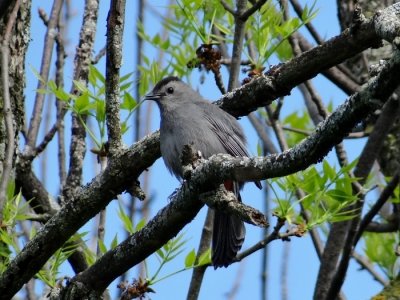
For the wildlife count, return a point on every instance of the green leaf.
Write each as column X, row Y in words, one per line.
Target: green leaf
column 62, row 95
column 37, row 74
column 97, row 74
column 140, row 225
column 101, row 111
column 114, row 242
column 80, row 86
column 160, row 253
column 328, row 170
column 205, row 258
column 102, row 246
column 126, row 221
column 128, row 102
column 82, row 104
column 190, row 258
column 125, row 77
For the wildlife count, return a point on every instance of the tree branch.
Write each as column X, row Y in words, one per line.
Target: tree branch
column 44, row 73
column 115, row 29
column 7, row 109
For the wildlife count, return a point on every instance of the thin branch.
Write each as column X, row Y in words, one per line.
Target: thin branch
column 226, row 201
column 262, row 134
column 99, row 55
column 44, row 73
column 311, row 29
column 198, row 273
column 7, row 109
column 284, row 271
column 274, row 235
column 336, row 74
column 245, row 15
column 102, row 215
column 228, row 8
column 238, row 38
column 374, row 210
column 366, row 265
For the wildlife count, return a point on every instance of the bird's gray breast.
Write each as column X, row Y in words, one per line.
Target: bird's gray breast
column 182, row 128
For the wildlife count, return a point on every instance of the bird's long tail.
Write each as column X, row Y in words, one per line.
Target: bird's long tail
column 228, row 233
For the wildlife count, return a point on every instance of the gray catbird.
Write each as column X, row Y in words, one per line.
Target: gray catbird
column 188, row 119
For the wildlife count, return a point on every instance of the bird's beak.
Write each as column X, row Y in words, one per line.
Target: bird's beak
column 152, row 96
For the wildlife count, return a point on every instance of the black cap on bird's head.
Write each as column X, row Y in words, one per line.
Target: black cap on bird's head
column 159, row 91
column 171, row 92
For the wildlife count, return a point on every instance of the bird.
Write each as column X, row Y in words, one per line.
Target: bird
column 186, row 118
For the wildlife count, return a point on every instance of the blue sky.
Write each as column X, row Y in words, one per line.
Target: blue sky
column 303, row 262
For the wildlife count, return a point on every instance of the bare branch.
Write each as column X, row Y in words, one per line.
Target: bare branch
column 237, row 45
column 245, row 15
column 385, row 195
column 44, row 73
column 198, row 272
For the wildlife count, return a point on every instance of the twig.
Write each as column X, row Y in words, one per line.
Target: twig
column 226, row 201
column 44, row 73
column 284, row 271
column 198, row 273
column 102, row 215
column 267, row 142
column 7, row 109
column 245, row 15
column 299, row 11
column 237, row 284
column 366, row 265
column 274, row 235
column 385, row 195
column 265, row 251
column 277, row 129
column 238, row 38
column 99, row 55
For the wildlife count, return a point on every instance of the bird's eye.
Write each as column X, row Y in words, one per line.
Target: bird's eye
column 170, row 90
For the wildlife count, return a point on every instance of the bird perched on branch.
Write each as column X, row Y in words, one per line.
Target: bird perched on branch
column 188, row 119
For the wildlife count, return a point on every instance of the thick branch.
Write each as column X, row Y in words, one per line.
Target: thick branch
column 80, row 208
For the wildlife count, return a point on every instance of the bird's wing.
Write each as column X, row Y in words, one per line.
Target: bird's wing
column 230, row 137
